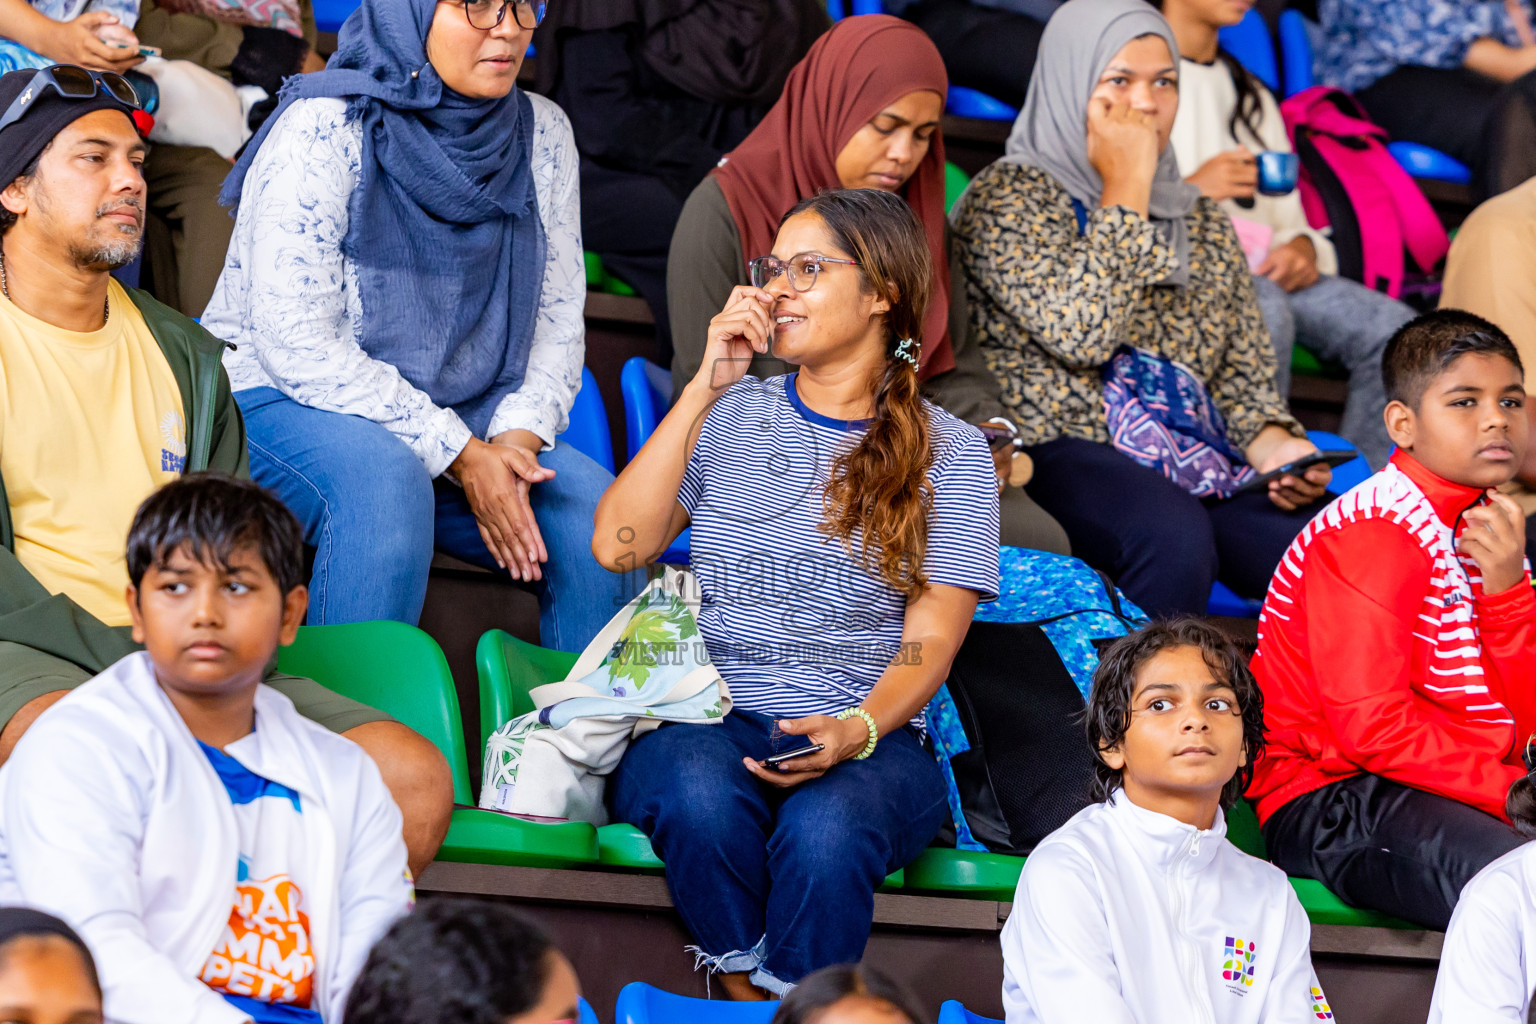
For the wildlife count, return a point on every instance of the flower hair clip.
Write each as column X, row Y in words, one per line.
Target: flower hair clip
column 908, row 350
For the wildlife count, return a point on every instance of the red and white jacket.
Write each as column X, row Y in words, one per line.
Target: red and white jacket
column 1379, row 652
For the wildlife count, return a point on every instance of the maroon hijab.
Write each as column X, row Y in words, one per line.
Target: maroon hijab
column 852, row 73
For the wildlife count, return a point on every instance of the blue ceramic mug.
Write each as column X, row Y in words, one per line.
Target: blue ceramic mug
column 1278, row 173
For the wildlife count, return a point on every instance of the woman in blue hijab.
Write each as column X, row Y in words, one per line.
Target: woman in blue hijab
column 404, row 291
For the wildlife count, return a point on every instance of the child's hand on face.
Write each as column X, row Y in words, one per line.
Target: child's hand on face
column 1495, row 540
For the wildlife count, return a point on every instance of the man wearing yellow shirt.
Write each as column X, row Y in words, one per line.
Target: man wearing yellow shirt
column 105, row 395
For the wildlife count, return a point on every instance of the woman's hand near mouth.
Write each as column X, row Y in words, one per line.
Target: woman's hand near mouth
column 744, row 327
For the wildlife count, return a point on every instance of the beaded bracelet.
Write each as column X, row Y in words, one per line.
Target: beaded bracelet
column 874, row 730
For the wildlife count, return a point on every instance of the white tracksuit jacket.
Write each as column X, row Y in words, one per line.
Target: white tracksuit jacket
column 1488, row 962
column 1127, row 916
column 112, row 818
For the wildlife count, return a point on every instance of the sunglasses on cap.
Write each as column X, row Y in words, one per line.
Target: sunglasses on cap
column 72, row 83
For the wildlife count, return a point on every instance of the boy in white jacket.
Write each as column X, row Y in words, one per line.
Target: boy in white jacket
column 1488, row 963
column 1138, row 911
column 227, row 860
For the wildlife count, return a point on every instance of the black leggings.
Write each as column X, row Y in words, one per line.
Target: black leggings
column 1163, row 547
column 1385, row 846
column 1487, row 125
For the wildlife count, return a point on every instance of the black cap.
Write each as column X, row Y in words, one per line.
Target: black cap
column 49, row 114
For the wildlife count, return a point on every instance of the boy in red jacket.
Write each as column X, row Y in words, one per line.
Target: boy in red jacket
column 1397, row 647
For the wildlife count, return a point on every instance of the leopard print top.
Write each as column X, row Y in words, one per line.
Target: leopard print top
column 1050, row 305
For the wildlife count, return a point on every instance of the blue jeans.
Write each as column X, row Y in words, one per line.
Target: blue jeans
column 774, row 882
column 1340, row 321
column 374, row 515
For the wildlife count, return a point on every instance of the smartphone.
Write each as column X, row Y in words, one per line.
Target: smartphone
column 999, row 437
column 1263, row 480
column 778, row 759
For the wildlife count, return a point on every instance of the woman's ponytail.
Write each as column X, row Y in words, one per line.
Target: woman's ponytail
column 878, row 497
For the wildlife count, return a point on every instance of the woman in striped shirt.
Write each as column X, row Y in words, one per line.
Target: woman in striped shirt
column 844, row 530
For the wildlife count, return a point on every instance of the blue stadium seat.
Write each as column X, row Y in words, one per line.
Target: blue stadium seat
column 1423, row 162
column 588, row 431
column 1250, row 43
column 639, row 1003
column 1347, row 475
column 953, row 1013
column 1225, row 602
column 647, row 390
column 584, row 1012
column 329, row 14
column 965, row 102
column 1296, row 51
column 1296, row 48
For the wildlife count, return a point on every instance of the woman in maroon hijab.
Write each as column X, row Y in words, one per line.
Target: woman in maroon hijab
column 861, row 110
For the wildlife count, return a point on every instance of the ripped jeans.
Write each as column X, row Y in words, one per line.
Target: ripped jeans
column 776, row 883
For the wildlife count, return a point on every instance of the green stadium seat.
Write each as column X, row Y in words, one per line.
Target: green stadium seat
column 1322, row 906
column 401, row 671
column 955, row 182
column 624, row 846
column 1243, row 830
column 509, row 669
column 982, row 876
column 1305, row 364
column 598, row 278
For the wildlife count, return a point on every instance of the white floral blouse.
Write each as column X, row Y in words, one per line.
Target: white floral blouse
column 288, row 299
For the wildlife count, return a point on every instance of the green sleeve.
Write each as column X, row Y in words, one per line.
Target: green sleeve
column 229, row 452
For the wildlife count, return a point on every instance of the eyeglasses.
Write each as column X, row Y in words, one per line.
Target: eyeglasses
column 487, row 14
column 803, row 269
column 72, row 83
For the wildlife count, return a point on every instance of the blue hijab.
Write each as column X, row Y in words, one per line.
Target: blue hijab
column 444, row 228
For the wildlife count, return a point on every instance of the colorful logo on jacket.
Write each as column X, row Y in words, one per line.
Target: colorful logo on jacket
column 173, row 440
column 1237, row 963
column 264, row 952
column 1320, row 1007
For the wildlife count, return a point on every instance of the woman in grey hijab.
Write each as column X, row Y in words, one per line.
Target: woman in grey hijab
column 1084, row 239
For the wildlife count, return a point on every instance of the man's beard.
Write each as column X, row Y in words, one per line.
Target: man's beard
column 116, row 253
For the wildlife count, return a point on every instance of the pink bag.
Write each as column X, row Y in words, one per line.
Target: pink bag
column 1351, row 183
column 280, row 14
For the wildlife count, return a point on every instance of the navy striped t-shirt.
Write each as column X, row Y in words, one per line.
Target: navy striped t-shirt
column 795, row 624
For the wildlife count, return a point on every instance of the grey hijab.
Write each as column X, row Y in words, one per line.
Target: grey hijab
column 1052, row 130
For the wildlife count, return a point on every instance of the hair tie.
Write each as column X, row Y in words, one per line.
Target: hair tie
column 905, row 351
